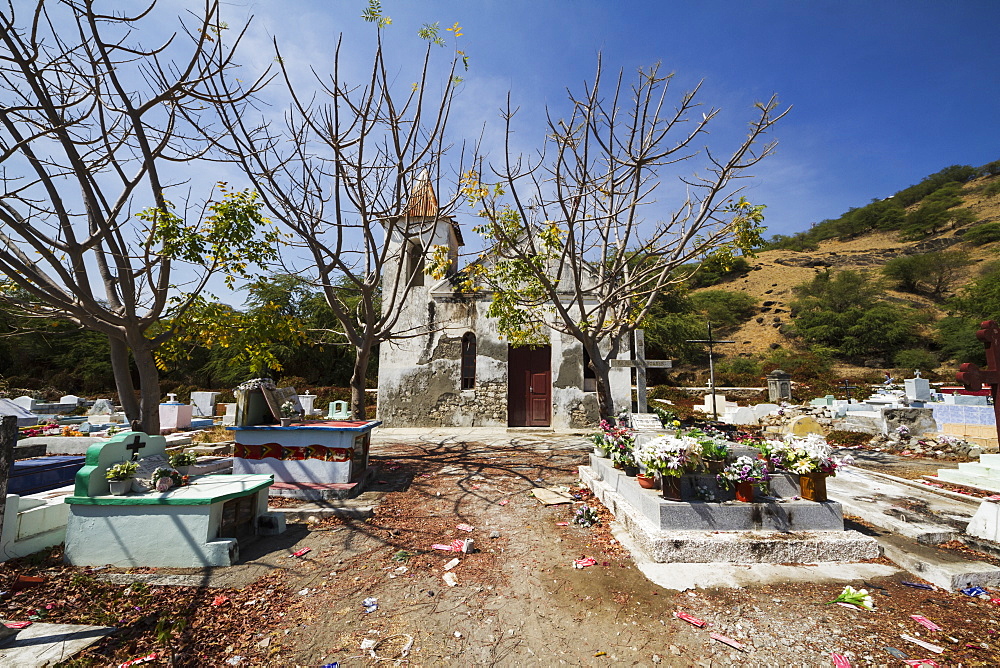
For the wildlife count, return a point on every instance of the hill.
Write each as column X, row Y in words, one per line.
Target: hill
column 773, row 274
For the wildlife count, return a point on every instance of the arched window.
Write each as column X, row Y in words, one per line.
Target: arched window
column 468, row 361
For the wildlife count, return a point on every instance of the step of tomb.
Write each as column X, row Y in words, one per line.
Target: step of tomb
column 311, row 512
column 962, row 478
column 972, row 468
column 989, row 459
column 734, row 547
column 769, row 513
column 314, row 491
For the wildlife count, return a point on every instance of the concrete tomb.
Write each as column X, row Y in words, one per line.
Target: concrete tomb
column 742, row 415
column 203, row 403
column 174, row 415
column 779, row 385
column 102, row 407
column 194, row 525
column 25, row 418
column 25, row 402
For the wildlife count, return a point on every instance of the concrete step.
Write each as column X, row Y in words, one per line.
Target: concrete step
column 990, row 460
column 918, row 514
column 975, row 468
column 940, row 567
column 960, row 478
column 348, row 508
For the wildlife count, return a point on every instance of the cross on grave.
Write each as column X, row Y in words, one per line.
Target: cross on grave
column 711, row 341
column 847, row 388
column 640, row 363
column 973, row 378
column 135, row 446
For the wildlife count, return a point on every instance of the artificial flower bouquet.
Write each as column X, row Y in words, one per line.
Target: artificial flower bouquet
column 670, row 455
column 812, row 454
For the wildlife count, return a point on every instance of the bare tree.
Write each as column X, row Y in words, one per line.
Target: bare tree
column 573, row 246
column 351, row 176
column 90, row 122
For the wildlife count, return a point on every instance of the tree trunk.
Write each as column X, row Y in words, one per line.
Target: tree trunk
column 8, row 439
column 358, row 383
column 149, row 389
column 123, row 379
column 605, row 403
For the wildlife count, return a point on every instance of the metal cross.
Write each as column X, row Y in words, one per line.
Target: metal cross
column 641, row 364
column 711, row 341
column 135, row 446
column 973, row 378
column 847, row 388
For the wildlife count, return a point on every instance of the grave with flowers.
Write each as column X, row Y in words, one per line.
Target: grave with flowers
column 692, row 495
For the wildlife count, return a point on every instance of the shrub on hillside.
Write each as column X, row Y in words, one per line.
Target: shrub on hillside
column 983, row 233
column 725, row 308
column 930, row 273
column 916, row 358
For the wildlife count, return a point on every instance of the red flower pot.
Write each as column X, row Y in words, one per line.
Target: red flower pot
column 646, row 481
column 744, row 492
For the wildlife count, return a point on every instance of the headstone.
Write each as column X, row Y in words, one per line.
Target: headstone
column 25, row 418
column 102, row 407
column 645, row 422
column 779, row 385
column 917, row 389
column 229, row 419
column 203, row 403
column 720, row 404
column 970, row 400
column 743, row 415
column 761, row 410
column 307, row 400
column 803, row 425
column 70, row 399
column 143, row 481
column 25, row 402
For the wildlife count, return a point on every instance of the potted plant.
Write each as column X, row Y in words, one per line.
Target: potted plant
column 164, row 478
column 600, row 439
column 120, row 476
column 743, row 474
column 183, row 461
column 622, row 441
column 714, row 451
column 646, row 480
column 669, row 456
column 288, row 413
column 811, row 459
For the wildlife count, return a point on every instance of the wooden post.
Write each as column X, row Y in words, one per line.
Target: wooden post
column 8, row 439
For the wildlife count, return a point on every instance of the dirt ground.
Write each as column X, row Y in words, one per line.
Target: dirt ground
column 518, row 599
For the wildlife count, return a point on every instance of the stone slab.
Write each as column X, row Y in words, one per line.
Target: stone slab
column 331, row 508
column 943, row 569
column 314, row 491
column 155, row 579
column 48, row 644
column 63, row 445
column 917, row 514
column 730, row 546
column 986, row 522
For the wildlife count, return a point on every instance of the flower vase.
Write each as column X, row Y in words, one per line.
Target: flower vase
column 715, row 466
column 119, row 487
column 600, row 452
column 631, row 471
column 286, row 421
column 671, row 487
column 744, row 492
column 646, row 481
column 812, row 486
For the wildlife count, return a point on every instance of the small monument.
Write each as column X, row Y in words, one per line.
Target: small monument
column 174, row 415
column 193, row 525
column 779, row 386
column 917, row 389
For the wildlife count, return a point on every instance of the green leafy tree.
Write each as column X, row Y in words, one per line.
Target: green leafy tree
column 726, row 308
column 576, row 244
column 930, row 273
column 91, row 121
column 843, row 311
column 984, row 233
column 341, row 178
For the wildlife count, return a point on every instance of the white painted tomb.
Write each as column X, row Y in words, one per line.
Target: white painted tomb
column 917, row 389
column 196, row 525
column 203, row 403
column 33, row 522
column 175, row 415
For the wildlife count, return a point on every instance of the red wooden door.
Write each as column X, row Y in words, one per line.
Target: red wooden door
column 529, row 391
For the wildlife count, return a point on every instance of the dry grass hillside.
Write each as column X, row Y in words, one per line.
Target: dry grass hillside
column 775, row 273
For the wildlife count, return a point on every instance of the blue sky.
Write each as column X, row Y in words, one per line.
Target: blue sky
column 883, row 93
